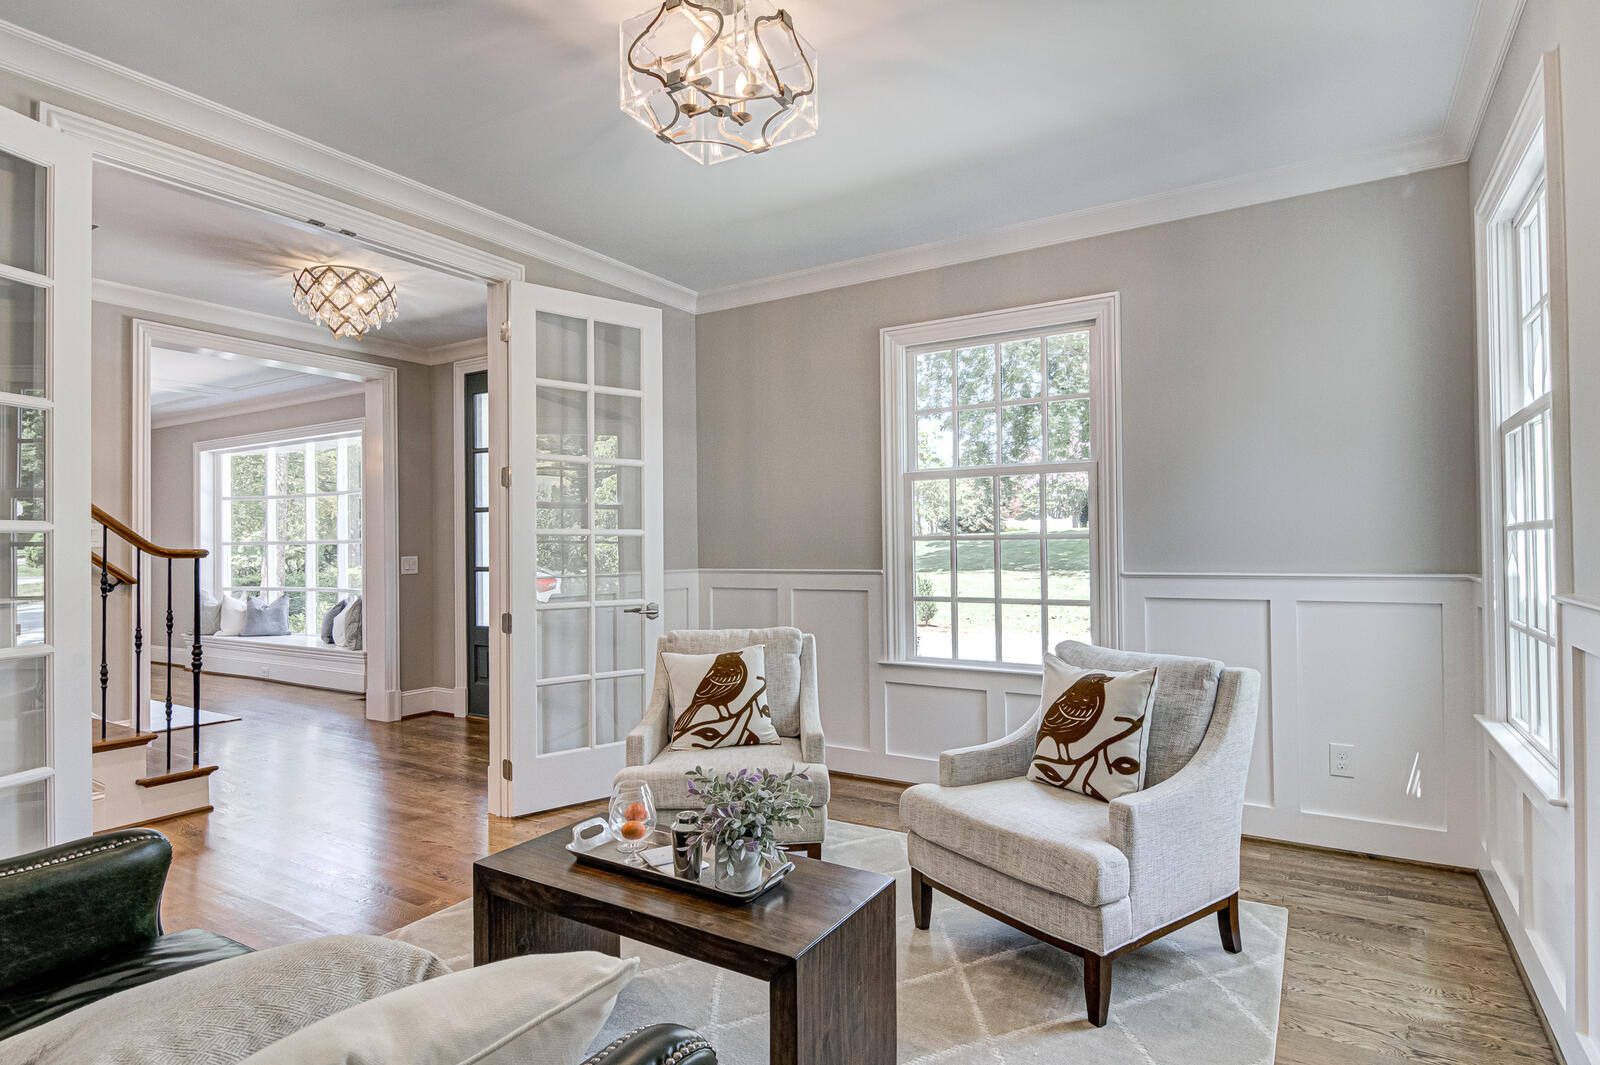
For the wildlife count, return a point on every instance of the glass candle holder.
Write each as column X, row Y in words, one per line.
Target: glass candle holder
column 633, row 819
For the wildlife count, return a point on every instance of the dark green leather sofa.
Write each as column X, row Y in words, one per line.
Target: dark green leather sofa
column 82, row 920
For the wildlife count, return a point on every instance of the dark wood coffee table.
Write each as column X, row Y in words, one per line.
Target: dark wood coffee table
column 823, row 939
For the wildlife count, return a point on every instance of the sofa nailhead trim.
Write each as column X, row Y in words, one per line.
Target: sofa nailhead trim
column 79, row 854
column 692, row 1047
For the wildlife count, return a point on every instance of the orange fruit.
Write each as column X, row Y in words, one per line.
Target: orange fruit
column 632, row 830
column 636, row 811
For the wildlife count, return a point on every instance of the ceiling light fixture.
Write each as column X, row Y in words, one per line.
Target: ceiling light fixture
column 719, row 78
column 346, row 299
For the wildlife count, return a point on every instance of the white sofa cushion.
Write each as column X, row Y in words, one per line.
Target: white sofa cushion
column 719, row 699
column 230, row 616
column 539, row 1009
column 1180, row 712
column 1092, row 733
column 221, row 1013
column 782, row 650
column 1051, row 838
column 668, row 775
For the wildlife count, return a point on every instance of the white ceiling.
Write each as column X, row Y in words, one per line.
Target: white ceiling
column 182, row 381
column 940, row 119
column 158, row 237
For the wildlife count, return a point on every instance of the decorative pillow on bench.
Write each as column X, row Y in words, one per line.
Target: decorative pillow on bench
column 719, row 700
column 1092, row 738
column 262, row 618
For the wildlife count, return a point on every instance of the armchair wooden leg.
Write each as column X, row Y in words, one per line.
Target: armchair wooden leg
column 1228, row 922
column 921, row 900
column 1097, row 988
column 810, row 850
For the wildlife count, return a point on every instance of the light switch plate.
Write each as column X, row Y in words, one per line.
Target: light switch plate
column 408, row 563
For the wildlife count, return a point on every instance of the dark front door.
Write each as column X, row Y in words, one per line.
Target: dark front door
column 477, row 504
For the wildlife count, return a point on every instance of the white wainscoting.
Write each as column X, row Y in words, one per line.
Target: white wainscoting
column 1540, row 854
column 1387, row 664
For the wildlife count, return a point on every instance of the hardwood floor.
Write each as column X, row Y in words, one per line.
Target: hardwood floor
column 327, row 823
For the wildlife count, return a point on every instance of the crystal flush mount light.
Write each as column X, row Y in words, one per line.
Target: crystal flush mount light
column 719, row 78
column 346, row 299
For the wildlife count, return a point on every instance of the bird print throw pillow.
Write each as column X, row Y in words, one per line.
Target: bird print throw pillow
column 1092, row 738
column 719, row 700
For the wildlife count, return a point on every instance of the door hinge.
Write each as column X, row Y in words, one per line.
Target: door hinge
column 505, row 476
column 505, row 623
column 505, row 768
column 505, row 332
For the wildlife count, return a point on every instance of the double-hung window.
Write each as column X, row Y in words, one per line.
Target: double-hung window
column 1000, row 451
column 287, row 521
column 1520, row 414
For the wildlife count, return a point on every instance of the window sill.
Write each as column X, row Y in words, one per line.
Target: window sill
column 1536, row 776
column 962, row 667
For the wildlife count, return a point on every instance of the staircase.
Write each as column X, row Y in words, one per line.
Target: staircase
column 135, row 780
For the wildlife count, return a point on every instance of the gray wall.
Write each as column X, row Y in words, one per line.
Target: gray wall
column 1573, row 26
column 1298, row 390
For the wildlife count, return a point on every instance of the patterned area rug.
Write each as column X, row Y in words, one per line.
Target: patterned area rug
column 975, row 990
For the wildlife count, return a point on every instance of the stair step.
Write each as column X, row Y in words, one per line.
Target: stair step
column 119, row 736
column 173, row 778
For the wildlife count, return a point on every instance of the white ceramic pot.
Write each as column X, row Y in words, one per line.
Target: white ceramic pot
column 740, row 871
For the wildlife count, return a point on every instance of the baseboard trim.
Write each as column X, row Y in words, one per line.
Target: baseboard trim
column 447, row 702
column 1493, row 896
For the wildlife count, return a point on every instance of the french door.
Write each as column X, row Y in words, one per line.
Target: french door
column 45, row 703
column 475, row 394
column 580, row 409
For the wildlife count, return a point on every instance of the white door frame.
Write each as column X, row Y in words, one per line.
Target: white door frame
column 458, row 522
column 114, row 145
column 380, row 482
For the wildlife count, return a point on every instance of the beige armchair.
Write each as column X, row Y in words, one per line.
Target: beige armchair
column 791, row 661
column 1098, row 879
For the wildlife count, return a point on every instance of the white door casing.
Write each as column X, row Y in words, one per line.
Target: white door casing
column 576, row 537
column 45, row 685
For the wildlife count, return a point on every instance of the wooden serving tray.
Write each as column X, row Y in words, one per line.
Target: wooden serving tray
column 608, row 855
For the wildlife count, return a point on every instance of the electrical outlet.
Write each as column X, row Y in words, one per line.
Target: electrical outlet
column 408, row 563
column 1341, row 760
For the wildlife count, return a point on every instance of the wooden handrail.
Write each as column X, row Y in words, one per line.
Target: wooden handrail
column 140, row 542
column 112, row 568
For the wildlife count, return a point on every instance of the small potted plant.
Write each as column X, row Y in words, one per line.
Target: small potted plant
column 743, row 813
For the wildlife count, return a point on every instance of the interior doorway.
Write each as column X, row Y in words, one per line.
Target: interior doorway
column 475, row 449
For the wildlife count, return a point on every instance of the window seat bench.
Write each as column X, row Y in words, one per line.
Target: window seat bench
column 292, row 659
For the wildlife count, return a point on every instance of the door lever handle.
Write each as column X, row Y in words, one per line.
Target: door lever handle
column 649, row 610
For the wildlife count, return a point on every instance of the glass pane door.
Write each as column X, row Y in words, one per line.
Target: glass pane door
column 585, row 535
column 44, row 570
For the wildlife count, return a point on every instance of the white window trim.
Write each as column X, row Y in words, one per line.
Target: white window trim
column 1101, row 313
column 208, row 503
column 1530, row 153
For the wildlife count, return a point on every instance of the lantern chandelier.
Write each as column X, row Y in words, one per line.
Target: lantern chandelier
column 719, row 78
column 346, row 299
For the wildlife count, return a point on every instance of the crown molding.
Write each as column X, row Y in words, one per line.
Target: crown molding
column 1494, row 24
column 112, row 85
column 1190, row 202
column 460, row 351
column 290, row 331
column 311, row 394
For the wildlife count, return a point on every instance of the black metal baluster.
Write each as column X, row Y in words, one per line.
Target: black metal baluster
column 195, row 657
column 169, row 665
column 105, row 593
column 138, row 639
